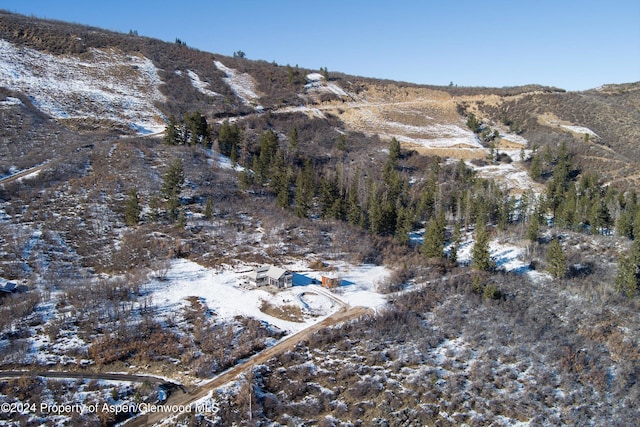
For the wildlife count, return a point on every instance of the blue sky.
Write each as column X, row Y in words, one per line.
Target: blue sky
column 571, row 44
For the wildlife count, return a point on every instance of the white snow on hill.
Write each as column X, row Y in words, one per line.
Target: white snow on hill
column 10, row 102
column 316, row 83
column 510, row 176
column 110, row 86
column 436, row 135
column 581, row 130
column 242, row 84
column 516, row 139
column 507, row 256
column 202, row 87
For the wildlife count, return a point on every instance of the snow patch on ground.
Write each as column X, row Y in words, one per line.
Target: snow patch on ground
column 516, row 139
column 242, row 84
column 310, row 111
column 223, row 161
column 10, row 102
column 30, row 176
column 314, row 77
column 511, row 176
column 580, row 130
column 359, row 283
column 317, row 83
column 221, row 292
column 199, row 85
column 111, row 86
column 447, row 140
column 429, row 136
column 226, row 294
column 507, row 256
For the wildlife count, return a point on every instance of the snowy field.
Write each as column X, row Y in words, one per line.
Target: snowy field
column 226, row 293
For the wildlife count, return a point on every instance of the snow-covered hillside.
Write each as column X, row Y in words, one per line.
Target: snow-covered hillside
column 242, row 84
column 103, row 85
column 199, row 85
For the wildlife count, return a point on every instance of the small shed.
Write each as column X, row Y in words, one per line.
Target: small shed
column 330, row 282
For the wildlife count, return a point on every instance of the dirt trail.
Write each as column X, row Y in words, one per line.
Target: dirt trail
column 182, row 399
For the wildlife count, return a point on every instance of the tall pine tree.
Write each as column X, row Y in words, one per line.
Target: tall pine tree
column 628, row 276
column 480, row 256
column 132, row 208
column 434, row 237
column 556, row 259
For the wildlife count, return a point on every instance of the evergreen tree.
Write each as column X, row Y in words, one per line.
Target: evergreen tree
column 556, row 259
column 533, row 226
column 173, row 208
column 624, row 225
column 294, row 139
column 181, row 218
column 280, row 180
column 628, row 276
column 567, row 210
column 304, row 190
column 338, row 209
column 394, row 151
column 535, row 171
column 341, row 143
column 208, row 209
column 328, row 195
column 229, row 138
column 245, row 180
column 325, row 73
column 599, row 218
column 480, row 256
column 173, row 180
column 154, row 204
column 197, row 128
column 427, row 203
column 171, row 132
column 375, row 211
column 473, row 123
column 389, row 216
column 456, row 240
column 283, row 197
column 434, row 237
column 268, row 149
column 354, row 211
column 132, row 208
column 404, row 223
column 507, row 209
column 172, row 186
